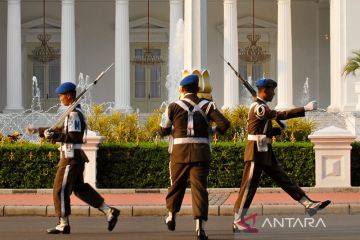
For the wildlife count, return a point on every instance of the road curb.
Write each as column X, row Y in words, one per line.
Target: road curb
column 156, row 210
column 228, row 210
column 283, row 209
column 354, row 209
column 188, row 190
column 24, row 211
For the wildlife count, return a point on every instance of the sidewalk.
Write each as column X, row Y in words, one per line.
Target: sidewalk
column 151, row 202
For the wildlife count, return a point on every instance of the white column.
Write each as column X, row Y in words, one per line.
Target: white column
column 68, row 64
column 14, row 67
column 122, row 57
column 344, row 39
column 176, row 13
column 195, row 35
column 176, row 43
column 336, row 44
column 231, row 83
column 284, row 56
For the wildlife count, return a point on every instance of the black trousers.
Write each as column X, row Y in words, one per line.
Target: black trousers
column 250, row 182
column 198, row 174
column 70, row 178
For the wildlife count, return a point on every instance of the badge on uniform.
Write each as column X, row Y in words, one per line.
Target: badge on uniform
column 74, row 124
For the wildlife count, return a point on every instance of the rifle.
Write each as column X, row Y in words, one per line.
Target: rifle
column 242, row 80
column 60, row 121
column 250, row 89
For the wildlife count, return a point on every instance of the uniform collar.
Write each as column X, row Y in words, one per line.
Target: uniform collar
column 192, row 96
column 262, row 100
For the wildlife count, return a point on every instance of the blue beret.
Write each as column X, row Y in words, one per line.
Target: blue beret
column 191, row 79
column 266, row 82
column 66, row 87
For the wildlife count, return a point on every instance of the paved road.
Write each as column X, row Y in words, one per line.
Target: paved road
column 270, row 227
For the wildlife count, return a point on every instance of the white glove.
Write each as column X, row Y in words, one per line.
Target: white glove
column 48, row 133
column 311, row 106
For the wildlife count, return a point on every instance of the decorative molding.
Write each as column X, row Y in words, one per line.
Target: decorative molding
column 34, row 27
column 159, row 30
column 265, row 28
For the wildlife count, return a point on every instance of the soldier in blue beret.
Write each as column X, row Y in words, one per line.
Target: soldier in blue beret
column 188, row 121
column 266, row 82
column 66, row 87
column 70, row 173
column 259, row 156
column 191, row 79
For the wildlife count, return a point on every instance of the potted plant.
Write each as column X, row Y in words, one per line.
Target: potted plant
column 351, row 66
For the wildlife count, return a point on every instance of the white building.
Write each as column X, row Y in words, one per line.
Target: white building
column 306, row 39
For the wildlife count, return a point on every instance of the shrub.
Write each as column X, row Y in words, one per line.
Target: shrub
column 115, row 127
column 298, row 129
column 150, row 130
column 146, row 165
column 355, row 164
column 237, row 117
column 28, row 165
column 123, row 128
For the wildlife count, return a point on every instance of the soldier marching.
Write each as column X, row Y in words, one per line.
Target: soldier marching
column 260, row 157
column 69, row 176
column 188, row 122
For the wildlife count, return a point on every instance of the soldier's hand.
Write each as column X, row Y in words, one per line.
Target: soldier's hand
column 311, row 106
column 48, row 133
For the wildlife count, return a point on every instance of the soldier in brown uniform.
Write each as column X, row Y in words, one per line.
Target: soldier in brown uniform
column 259, row 156
column 188, row 122
column 69, row 176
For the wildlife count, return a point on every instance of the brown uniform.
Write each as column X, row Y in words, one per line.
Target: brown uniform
column 69, row 176
column 261, row 158
column 190, row 152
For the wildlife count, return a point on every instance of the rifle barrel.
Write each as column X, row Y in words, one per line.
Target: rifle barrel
column 61, row 120
column 242, row 80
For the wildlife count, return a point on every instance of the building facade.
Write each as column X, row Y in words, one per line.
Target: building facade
column 309, row 42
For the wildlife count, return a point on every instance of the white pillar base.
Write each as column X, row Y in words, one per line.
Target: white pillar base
column 90, row 149
column 332, row 157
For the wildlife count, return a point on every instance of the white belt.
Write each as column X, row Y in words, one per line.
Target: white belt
column 190, row 140
column 256, row 137
column 74, row 146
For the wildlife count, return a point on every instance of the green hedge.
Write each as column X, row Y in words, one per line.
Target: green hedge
column 28, row 165
column 355, row 164
column 132, row 166
column 146, row 165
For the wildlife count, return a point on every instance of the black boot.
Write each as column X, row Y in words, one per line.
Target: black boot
column 63, row 227
column 240, row 225
column 170, row 221
column 200, row 232
column 312, row 207
column 201, row 235
column 112, row 217
column 59, row 230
